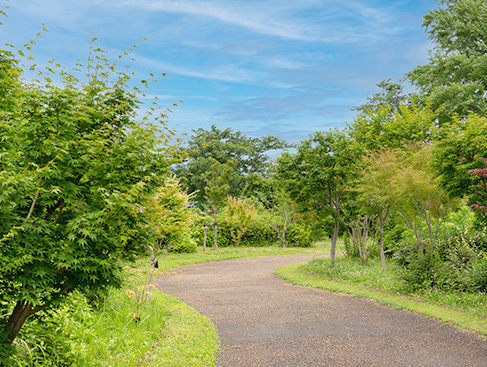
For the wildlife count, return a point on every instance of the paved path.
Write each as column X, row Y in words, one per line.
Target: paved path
column 264, row 321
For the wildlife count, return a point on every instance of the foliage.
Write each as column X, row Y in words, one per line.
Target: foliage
column 76, row 334
column 218, row 180
column 389, row 127
column 299, row 235
column 75, row 165
column 454, row 77
column 206, row 148
column 391, row 97
column 284, row 213
column 239, row 214
column 457, row 149
column 408, row 183
column 319, row 175
column 170, row 214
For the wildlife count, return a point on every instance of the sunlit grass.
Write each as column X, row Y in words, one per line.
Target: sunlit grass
column 351, row 276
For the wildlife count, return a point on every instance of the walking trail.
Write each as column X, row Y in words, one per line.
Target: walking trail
column 264, row 321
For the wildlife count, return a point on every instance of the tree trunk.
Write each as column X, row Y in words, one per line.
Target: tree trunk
column 334, row 237
column 21, row 312
column 214, row 233
column 206, row 236
column 381, row 246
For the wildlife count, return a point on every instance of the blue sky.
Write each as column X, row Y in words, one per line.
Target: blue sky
column 267, row 67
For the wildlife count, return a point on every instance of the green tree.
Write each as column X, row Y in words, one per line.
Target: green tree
column 454, row 79
column 457, row 149
column 208, row 147
column 407, row 180
column 391, row 95
column 170, row 214
column 319, row 173
column 239, row 214
column 74, row 167
column 392, row 127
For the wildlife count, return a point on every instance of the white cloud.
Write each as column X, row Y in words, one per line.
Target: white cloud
column 225, row 73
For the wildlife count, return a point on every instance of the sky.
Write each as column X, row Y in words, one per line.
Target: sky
column 268, row 67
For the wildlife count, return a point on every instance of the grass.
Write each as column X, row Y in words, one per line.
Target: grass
column 169, row 332
column 369, row 281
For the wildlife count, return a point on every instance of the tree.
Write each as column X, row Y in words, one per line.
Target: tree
column 207, row 147
column 319, row 173
column 74, row 167
column 373, row 193
column 457, row 150
column 393, row 127
column 239, row 214
column 284, row 214
column 391, row 95
column 170, row 215
column 407, row 180
column 454, row 79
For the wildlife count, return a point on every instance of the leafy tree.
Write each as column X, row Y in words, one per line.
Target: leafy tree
column 217, row 189
column 391, row 95
column 74, row 167
column 408, row 182
column 239, row 214
column 454, row 79
column 373, row 193
column 392, row 127
column 457, row 149
column 170, row 214
column 284, row 214
column 207, row 147
column 319, row 173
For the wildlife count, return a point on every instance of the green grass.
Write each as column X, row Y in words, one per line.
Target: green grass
column 172, row 260
column 169, row 332
column 369, row 281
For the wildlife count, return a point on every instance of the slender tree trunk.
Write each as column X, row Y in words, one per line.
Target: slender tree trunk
column 215, row 233
column 334, row 237
column 21, row 312
column 206, row 236
column 381, row 247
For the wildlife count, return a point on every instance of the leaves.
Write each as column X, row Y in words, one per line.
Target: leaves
column 74, row 166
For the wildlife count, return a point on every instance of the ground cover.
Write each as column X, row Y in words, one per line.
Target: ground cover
column 466, row 311
column 107, row 333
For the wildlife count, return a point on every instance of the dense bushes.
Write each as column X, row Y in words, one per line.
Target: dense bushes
column 259, row 233
column 456, row 262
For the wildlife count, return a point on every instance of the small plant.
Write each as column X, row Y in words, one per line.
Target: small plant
column 140, row 292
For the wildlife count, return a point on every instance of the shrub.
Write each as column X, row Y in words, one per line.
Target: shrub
column 299, row 236
column 478, row 274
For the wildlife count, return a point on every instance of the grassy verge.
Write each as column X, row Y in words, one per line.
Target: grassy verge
column 170, row 261
column 107, row 333
column 190, row 339
column 383, row 291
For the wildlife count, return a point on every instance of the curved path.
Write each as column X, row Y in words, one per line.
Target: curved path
column 264, row 321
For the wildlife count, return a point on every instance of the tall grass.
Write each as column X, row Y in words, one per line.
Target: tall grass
column 370, row 274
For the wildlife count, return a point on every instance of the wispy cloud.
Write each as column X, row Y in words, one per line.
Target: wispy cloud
column 226, row 73
column 242, row 14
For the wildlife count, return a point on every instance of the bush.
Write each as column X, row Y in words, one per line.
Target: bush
column 299, row 236
column 259, row 233
column 478, row 275
column 181, row 242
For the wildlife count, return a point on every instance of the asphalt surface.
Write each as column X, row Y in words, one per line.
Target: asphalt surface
column 264, row 321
